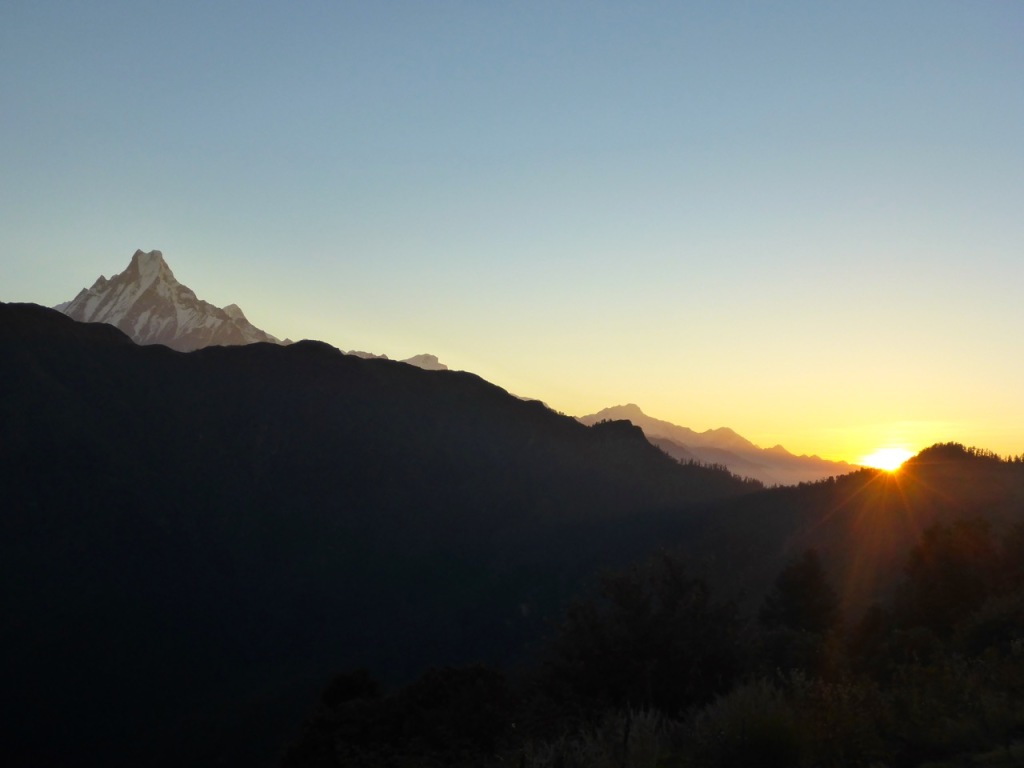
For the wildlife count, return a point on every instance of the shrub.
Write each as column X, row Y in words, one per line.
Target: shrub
column 624, row 739
column 837, row 721
column 753, row 725
column 944, row 710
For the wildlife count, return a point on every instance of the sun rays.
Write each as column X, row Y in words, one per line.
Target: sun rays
column 889, row 459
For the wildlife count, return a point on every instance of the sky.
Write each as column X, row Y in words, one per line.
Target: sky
column 800, row 220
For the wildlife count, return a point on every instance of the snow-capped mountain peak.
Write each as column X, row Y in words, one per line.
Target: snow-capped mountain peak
column 148, row 303
column 234, row 311
column 150, row 267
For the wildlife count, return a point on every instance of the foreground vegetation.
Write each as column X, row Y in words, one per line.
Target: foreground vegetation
column 654, row 671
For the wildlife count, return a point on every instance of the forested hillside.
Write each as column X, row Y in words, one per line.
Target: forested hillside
column 862, row 523
column 661, row 667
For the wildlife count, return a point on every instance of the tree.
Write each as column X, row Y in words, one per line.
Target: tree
column 802, row 598
column 950, row 573
column 653, row 638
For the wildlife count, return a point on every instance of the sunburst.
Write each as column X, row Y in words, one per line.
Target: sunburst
column 889, row 459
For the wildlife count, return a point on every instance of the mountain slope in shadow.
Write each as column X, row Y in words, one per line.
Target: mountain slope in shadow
column 193, row 542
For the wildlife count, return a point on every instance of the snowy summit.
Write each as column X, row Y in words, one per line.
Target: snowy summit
column 150, row 305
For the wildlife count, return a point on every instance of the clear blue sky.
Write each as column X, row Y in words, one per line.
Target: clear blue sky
column 802, row 220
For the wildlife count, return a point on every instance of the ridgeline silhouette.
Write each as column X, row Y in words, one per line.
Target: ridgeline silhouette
column 193, row 534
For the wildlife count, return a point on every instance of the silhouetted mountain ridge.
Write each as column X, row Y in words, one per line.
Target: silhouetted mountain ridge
column 194, row 542
column 233, row 524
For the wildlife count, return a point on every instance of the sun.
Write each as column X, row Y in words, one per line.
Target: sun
column 889, row 459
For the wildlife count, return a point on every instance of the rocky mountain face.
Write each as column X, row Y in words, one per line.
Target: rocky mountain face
column 152, row 307
column 772, row 466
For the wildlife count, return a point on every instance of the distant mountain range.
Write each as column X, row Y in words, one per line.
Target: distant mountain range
column 723, row 447
column 152, row 307
column 426, row 362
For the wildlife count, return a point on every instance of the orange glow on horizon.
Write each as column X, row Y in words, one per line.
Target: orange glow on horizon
column 889, row 459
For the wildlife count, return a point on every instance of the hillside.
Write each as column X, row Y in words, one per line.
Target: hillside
column 862, row 523
column 194, row 541
column 659, row 663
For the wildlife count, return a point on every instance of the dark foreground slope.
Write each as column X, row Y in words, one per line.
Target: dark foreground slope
column 191, row 543
column 930, row 674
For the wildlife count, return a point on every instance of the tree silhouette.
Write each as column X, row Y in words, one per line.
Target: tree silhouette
column 802, row 598
column 654, row 638
column 949, row 574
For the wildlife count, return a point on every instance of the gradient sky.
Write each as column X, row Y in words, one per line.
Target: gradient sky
column 801, row 220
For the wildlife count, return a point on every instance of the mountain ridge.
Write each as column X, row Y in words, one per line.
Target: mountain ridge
column 189, row 533
column 723, row 446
